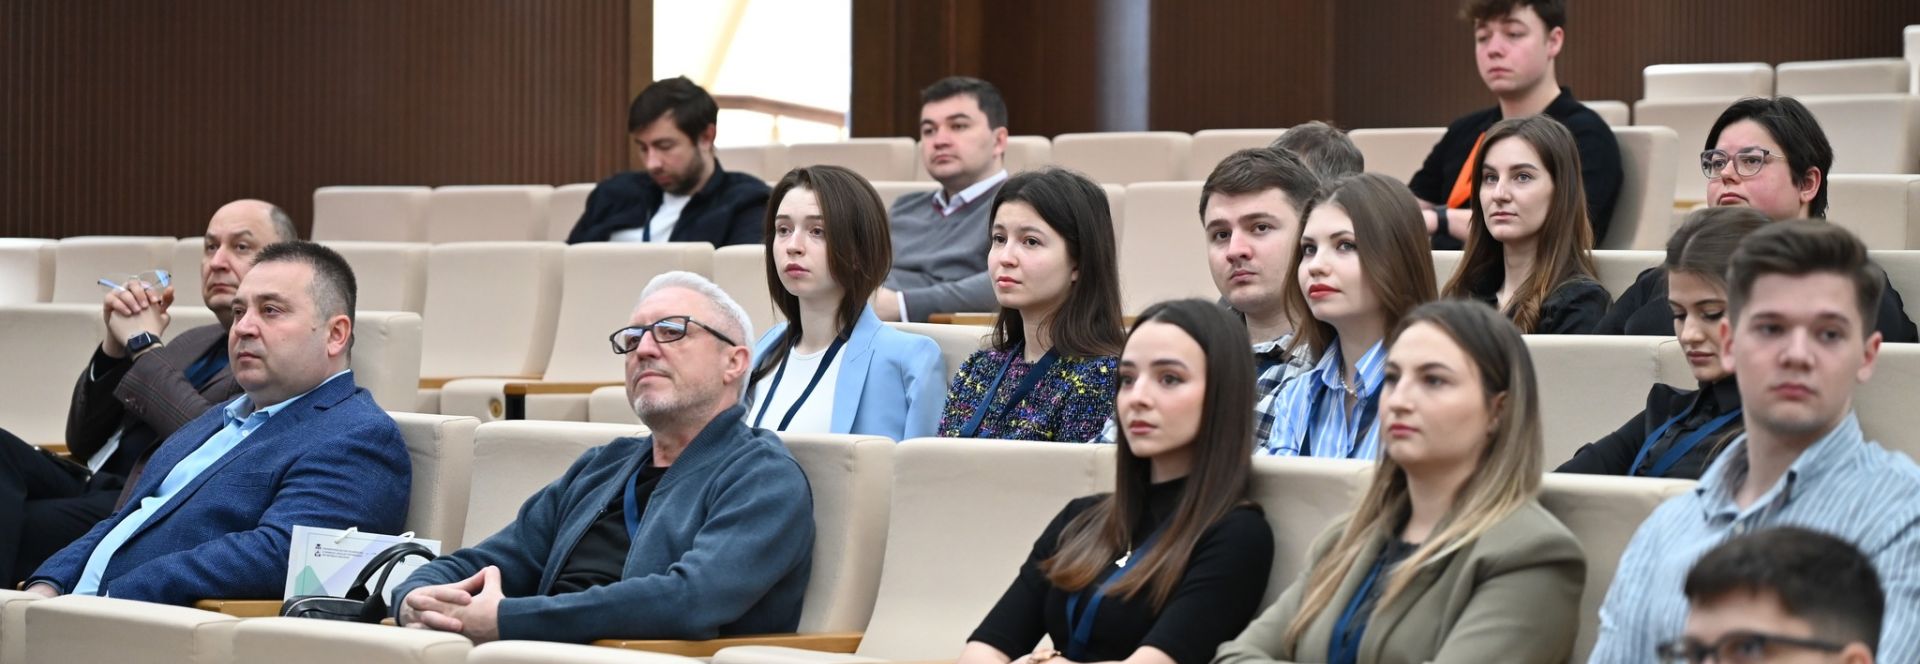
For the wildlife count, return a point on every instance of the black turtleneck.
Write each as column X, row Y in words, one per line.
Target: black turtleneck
column 1215, row 599
column 1614, row 454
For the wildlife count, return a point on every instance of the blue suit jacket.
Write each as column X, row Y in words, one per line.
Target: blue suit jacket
column 332, row 459
column 891, row 383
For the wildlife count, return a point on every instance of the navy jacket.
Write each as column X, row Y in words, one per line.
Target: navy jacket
column 332, row 459
column 729, row 209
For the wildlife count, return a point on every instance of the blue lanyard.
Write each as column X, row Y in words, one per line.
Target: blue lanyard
column 632, row 502
column 827, row 361
column 1680, row 447
column 1083, row 626
column 1346, row 645
column 1019, row 392
column 1368, row 409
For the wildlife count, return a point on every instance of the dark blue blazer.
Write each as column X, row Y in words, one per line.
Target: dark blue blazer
column 332, row 459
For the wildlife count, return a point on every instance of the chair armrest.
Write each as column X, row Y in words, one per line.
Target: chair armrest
column 837, row 642
column 241, row 608
column 56, row 448
column 437, row 382
column 965, row 318
column 515, row 407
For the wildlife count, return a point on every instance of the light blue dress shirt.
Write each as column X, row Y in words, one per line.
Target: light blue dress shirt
column 1310, row 415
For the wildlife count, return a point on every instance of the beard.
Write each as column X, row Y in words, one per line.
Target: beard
column 689, row 177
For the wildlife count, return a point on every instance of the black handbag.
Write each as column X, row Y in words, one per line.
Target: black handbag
column 357, row 606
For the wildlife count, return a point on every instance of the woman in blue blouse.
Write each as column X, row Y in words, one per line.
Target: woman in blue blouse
column 1047, row 372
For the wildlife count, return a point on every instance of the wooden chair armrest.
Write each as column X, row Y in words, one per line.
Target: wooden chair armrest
column 970, row 318
column 835, row 642
column 523, row 389
column 56, row 448
column 437, row 382
column 241, row 608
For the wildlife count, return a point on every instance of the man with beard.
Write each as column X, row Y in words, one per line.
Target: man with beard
column 684, row 195
column 703, row 528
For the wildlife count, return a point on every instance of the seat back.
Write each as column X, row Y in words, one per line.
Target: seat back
column 393, row 275
column 891, row 190
column 1165, row 250
column 1885, row 403
column 490, row 308
column 370, row 214
column 957, row 342
column 1603, row 511
column 1024, row 153
column 306, row 641
column 26, row 270
column 79, row 262
column 1870, row 133
column 852, row 481
column 988, row 498
column 1212, row 145
column 541, row 652
column 386, row 356
column 610, row 405
column 564, row 208
column 83, row 628
column 767, row 162
column 1117, row 208
column 514, row 459
column 873, row 158
column 1690, row 119
column 601, row 287
column 1618, row 269
column 1860, row 76
column 1615, row 112
column 1396, row 152
column 1589, row 384
column 1912, row 50
column 441, row 447
column 741, row 271
column 187, row 252
column 13, row 625
column 1724, row 80
column 488, row 213
column 1903, row 270
column 1644, row 207
column 1445, row 263
column 1124, row 157
column 1883, row 210
column 1301, row 497
column 63, row 337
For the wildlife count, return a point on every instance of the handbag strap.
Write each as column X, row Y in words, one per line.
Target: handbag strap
column 383, row 563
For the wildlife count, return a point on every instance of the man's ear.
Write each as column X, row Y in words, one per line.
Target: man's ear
column 339, row 335
column 1556, row 39
column 1872, row 351
column 705, row 140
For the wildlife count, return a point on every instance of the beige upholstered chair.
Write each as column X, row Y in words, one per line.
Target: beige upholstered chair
column 1861, row 76
column 441, row 448
column 564, row 208
column 1396, row 152
column 1024, row 153
column 1615, row 112
column 541, row 652
column 1885, row 403
column 741, row 271
column 26, row 270
column 1690, row 119
column 1730, row 80
column 62, row 337
column 386, row 357
column 83, row 628
column 1870, row 133
column 1903, row 269
column 1644, row 207
column 1302, row 496
column 187, row 252
column 488, row 213
column 1445, row 263
column 602, row 283
column 513, row 460
column 1212, row 145
column 891, row 159
column 957, row 342
column 490, row 309
column 80, row 262
column 1165, row 250
column 370, row 214
column 13, row 625
column 1884, row 210
column 1124, row 157
column 1603, row 512
column 1912, row 50
column 307, row 641
column 892, row 190
column 392, row 275
column 1117, row 208
column 1589, row 385
column 1618, row 269
column 767, row 162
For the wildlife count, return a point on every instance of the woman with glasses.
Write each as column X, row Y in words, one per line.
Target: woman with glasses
column 1448, row 557
column 1529, row 249
column 832, row 366
column 1048, row 369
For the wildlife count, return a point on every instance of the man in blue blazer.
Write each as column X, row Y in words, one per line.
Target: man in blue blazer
column 214, row 512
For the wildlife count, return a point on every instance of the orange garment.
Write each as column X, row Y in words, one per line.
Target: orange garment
column 1463, row 185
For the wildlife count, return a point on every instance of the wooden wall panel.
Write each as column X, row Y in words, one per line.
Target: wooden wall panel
column 1240, row 63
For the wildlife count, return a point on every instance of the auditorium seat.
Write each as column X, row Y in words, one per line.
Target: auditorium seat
column 601, row 285
column 891, row 158
column 186, row 271
column 1884, row 210
column 50, row 343
column 957, row 342
column 564, row 208
column 1603, row 512
column 441, row 448
column 489, row 311
column 1212, row 145
column 26, row 270
column 1590, row 385
column 514, row 460
column 1396, row 152
column 1302, row 496
column 1870, row 133
column 385, row 357
column 13, row 625
column 392, row 275
column 308, row 641
column 1644, row 208
column 1445, row 263
column 767, row 162
column 1124, row 157
column 1615, row 112
column 1024, row 153
column 1690, row 119
column 1885, row 403
column 488, row 213
column 609, row 405
column 1117, row 209
column 891, row 190
column 1912, row 50
column 1903, row 269
column 80, row 262
column 1730, row 81
column 82, row 628
column 541, row 652
column 1165, row 252
column 370, row 214
column 741, row 271
column 1860, row 76
column 1618, row 269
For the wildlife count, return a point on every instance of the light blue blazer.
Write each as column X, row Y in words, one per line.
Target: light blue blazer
column 891, row 383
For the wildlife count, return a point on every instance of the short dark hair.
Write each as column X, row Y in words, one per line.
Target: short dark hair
column 1553, row 13
column 334, row 290
column 1255, row 170
column 1325, row 149
column 1819, row 578
column 1804, row 246
column 693, row 109
column 1795, row 129
column 983, row 93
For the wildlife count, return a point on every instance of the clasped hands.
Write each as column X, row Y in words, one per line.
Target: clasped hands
column 470, row 607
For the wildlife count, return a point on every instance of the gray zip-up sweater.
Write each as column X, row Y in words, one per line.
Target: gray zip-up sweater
column 940, row 262
column 724, row 546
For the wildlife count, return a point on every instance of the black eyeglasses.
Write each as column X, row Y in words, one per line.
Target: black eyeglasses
column 1737, row 648
column 666, row 330
column 1747, row 162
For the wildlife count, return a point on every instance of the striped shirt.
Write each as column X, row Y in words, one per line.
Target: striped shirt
column 1842, row 485
column 1310, row 417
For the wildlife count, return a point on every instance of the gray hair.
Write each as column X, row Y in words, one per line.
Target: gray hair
column 736, row 323
column 282, row 223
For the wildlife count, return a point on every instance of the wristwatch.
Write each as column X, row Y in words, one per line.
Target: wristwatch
column 140, row 342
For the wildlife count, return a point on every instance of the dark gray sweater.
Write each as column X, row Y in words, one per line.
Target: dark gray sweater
column 940, row 262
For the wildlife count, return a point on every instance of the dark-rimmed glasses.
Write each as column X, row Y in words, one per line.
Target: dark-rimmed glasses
column 1737, row 648
column 1747, row 162
column 666, row 330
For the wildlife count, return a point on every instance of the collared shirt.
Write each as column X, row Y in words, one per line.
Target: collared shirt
column 948, row 206
column 241, row 421
column 1842, row 485
column 1310, row 417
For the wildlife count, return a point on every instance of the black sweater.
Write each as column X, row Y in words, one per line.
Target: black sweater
column 729, row 209
column 1642, row 310
column 1573, row 307
column 1614, row 454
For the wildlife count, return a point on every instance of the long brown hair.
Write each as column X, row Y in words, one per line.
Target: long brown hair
column 1395, row 255
column 1564, row 250
column 1087, row 324
column 859, row 249
column 1703, row 247
column 1508, row 476
column 1219, row 482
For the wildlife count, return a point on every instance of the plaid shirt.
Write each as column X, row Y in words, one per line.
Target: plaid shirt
column 1311, row 417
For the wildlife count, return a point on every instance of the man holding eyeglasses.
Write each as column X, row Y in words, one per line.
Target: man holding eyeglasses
column 1770, row 155
column 702, row 529
column 1781, row 595
column 134, row 393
